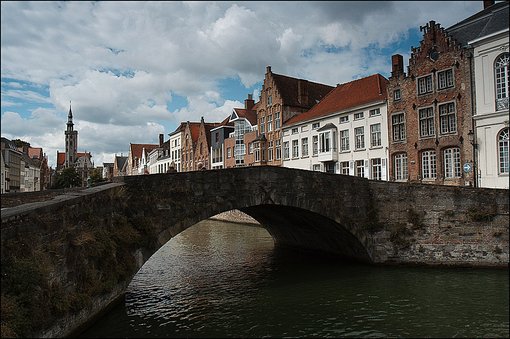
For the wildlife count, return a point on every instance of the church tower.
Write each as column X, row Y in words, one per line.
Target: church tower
column 71, row 140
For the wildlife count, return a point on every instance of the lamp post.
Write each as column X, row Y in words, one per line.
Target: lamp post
column 472, row 141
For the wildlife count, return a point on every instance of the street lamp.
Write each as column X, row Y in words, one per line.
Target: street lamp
column 472, row 141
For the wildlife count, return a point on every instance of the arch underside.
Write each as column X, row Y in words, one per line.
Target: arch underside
column 296, row 227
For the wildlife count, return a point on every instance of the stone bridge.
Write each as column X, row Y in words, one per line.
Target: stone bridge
column 65, row 260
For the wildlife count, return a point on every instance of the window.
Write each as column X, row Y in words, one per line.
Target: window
column 250, row 148
column 269, row 123
column 344, row 167
column 270, row 151
column 360, row 137
column 358, row 116
column 445, row 79
column 278, row 149
column 401, row 166
column 261, row 129
column 324, row 143
column 256, row 150
column 316, row 125
column 376, row 166
column 295, row 130
column 375, row 135
column 374, row 112
column 344, row 119
column 503, row 151
column 217, row 136
column 269, row 100
column 316, row 167
column 229, row 153
column 344, row 140
column 315, row 145
column 295, row 148
column 396, row 94
column 277, row 120
column 426, row 121
column 360, row 168
column 428, row 164
column 447, row 118
column 286, row 151
column 304, row 147
column 425, row 85
column 398, row 126
column 452, row 162
column 502, row 75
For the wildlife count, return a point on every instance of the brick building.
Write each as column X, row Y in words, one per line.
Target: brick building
column 430, row 112
column 281, row 98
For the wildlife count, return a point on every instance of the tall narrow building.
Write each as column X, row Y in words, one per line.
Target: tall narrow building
column 71, row 140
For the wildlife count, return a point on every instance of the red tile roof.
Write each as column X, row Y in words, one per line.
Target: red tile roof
column 248, row 114
column 35, row 152
column 61, row 158
column 345, row 96
column 136, row 149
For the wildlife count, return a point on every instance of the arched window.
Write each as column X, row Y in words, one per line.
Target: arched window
column 503, row 151
column 502, row 76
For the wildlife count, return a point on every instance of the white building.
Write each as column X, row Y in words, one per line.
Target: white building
column 175, row 147
column 345, row 133
column 492, row 87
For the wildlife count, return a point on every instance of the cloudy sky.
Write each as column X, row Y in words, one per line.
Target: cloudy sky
column 133, row 70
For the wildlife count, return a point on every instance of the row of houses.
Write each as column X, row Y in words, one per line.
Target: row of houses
column 23, row 168
column 444, row 120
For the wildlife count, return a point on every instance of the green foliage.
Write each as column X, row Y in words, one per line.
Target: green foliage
column 401, row 237
column 96, row 176
column 68, row 178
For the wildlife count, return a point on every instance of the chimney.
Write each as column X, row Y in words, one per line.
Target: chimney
column 160, row 140
column 249, row 103
column 303, row 92
column 397, row 65
column 268, row 69
column 487, row 3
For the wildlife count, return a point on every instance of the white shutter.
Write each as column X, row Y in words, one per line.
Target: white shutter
column 384, row 176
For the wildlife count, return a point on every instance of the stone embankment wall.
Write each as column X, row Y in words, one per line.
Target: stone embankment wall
column 441, row 225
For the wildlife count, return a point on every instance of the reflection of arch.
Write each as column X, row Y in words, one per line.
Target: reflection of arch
column 503, row 151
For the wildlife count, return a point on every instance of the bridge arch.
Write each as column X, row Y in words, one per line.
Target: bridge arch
column 305, row 209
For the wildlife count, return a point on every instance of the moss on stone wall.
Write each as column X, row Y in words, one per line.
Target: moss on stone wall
column 44, row 281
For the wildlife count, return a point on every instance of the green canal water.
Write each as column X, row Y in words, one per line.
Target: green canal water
column 220, row 279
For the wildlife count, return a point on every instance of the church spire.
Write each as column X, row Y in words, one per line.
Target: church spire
column 70, row 115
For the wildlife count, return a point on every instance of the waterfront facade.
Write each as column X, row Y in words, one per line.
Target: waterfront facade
column 345, row 133
column 492, row 87
column 281, row 98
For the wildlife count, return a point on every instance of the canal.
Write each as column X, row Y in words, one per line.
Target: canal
column 220, row 279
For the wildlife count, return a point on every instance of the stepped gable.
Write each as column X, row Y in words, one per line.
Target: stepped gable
column 349, row 95
column 288, row 88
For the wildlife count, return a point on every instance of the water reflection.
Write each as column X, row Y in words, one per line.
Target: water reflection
column 220, row 279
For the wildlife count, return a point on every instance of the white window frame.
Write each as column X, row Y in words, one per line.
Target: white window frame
column 452, row 167
column 398, row 127
column 448, row 118
column 400, row 167
column 503, row 151
column 425, row 84
column 375, row 135
column 344, row 140
column 304, row 147
column 359, row 137
column 445, row 79
column 426, row 122
column 428, row 164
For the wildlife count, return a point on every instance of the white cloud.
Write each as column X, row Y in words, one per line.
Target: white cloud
column 119, row 62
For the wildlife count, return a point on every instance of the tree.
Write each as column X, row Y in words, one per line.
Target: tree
column 68, row 178
column 96, row 177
